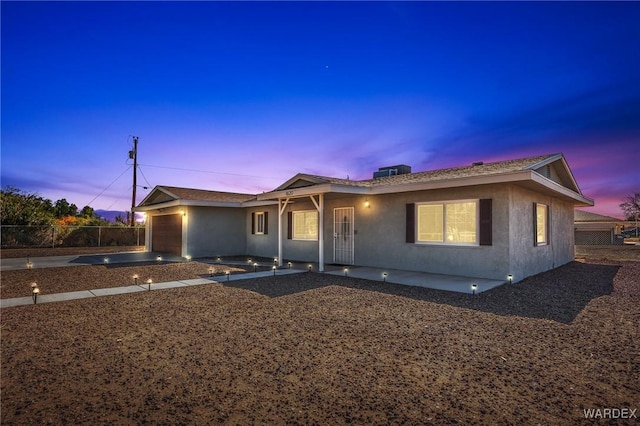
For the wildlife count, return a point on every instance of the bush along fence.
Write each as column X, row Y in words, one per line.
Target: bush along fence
column 18, row 236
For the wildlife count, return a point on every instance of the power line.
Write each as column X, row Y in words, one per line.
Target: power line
column 210, row 172
column 109, row 186
column 145, row 178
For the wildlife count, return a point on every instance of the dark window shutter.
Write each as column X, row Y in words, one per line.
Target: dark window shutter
column 253, row 223
column 486, row 222
column 548, row 230
column 535, row 225
column 289, row 225
column 266, row 223
column 411, row 223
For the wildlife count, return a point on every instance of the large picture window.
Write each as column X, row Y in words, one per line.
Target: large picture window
column 453, row 222
column 305, row 225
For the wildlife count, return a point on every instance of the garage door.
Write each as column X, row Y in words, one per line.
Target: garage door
column 167, row 234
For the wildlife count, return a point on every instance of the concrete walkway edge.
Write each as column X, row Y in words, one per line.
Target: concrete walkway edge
column 111, row 291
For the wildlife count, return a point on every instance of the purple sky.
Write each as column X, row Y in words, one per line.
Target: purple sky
column 242, row 96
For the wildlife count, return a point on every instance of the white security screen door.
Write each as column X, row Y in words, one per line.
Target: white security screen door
column 343, row 235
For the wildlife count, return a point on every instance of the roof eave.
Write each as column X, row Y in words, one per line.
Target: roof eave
column 306, row 191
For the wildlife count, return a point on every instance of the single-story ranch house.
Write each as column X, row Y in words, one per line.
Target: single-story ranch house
column 485, row 220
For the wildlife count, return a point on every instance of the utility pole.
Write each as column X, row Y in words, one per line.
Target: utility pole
column 134, row 156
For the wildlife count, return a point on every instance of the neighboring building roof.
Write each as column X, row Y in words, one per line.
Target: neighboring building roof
column 582, row 216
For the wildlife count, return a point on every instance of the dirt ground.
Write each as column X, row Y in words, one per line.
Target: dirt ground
column 320, row 349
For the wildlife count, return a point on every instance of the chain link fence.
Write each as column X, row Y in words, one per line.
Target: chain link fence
column 16, row 236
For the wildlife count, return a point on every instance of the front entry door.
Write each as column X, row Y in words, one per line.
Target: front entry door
column 343, row 235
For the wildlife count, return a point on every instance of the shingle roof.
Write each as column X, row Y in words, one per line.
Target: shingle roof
column 204, row 195
column 582, row 216
column 444, row 174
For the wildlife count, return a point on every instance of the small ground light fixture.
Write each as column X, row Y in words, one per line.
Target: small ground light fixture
column 346, row 272
column 105, row 260
column 188, row 257
column 34, row 285
column 255, row 267
column 250, row 261
column 219, row 259
column 384, row 277
column 510, row 278
column 149, row 281
column 274, row 270
column 29, row 264
column 227, row 273
column 159, row 258
column 275, row 260
column 474, row 287
column 35, row 292
column 289, row 265
column 309, row 267
column 210, row 271
column 135, row 279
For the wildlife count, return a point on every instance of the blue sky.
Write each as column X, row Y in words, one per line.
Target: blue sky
column 241, row 96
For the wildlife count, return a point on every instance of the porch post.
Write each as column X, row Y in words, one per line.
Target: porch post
column 281, row 208
column 280, row 232
column 321, row 232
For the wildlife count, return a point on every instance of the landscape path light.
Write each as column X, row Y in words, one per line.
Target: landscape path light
column 274, row 270
column 105, row 260
column 219, row 259
column 211, row 271
column 149, row 281
column 188, row 257
column 346, row 272
column 474, row 287
column 289, row 264
column 309, row 267
column 159, row 259
column 29, row 264
column 510, row 278
column 227, row 273
column 384, row 277
column 255, row 267
column 275, row 260
column 135, row 279
column 35, row 292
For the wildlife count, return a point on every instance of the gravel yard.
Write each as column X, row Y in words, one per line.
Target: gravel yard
column 321, row 349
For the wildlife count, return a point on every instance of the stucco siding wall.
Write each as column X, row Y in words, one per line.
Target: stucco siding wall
column 297, row 250
column 526, row 258
column 216, row 231
column 380, row 239
column 265, row 245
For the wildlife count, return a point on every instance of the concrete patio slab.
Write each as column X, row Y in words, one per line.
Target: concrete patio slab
column 455, row 283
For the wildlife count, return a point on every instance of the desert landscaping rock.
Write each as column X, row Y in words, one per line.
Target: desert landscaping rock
column 320, row 349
